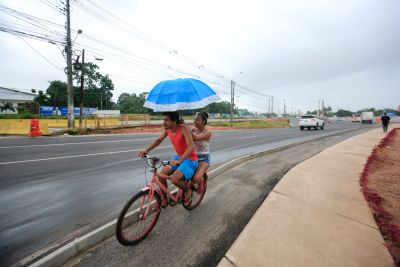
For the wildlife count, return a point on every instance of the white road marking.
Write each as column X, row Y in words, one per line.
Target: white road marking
column 247, row 137
column 81, row 143
column 76, row 156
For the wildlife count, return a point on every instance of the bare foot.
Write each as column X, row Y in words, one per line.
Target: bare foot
column 187, row 196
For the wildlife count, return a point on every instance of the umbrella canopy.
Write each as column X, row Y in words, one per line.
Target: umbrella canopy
column 180, row 94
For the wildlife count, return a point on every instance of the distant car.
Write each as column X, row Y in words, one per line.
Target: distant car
column 356, row 118
column 310, row 121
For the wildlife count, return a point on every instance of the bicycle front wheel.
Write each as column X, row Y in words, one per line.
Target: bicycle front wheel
column 138, row 217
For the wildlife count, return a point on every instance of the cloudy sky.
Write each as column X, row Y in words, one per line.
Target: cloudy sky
column 344, row 52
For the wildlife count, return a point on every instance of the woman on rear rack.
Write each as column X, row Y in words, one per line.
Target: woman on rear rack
column 201, row 137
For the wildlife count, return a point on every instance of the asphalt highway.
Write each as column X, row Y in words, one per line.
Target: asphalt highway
column 53, row 189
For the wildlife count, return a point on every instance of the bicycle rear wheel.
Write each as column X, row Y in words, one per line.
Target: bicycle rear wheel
column 138, row 217
column 196, row 197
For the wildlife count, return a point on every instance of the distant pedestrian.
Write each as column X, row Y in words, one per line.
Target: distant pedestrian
column 385, row 121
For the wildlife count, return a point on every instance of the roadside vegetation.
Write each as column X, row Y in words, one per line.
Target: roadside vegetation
column 253, row 124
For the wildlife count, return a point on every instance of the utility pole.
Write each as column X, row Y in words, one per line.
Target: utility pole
column 232, row 100
column 319, row 106
column 269, row 106
column 284, row 108
column 233, row 96
column 272, row 104
column 82, row 75
column 70, row 94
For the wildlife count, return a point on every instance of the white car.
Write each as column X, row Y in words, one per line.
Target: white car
column 310, row 121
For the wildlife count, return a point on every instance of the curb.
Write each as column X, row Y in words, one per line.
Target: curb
column 81, row 244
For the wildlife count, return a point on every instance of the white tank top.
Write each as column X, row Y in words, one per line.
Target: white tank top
column 202, row 147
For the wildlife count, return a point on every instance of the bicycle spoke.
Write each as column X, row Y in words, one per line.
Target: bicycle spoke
column 138, row 218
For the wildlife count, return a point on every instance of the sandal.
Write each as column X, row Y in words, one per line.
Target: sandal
column 188, row 201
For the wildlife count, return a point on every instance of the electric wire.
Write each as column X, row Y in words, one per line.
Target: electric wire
column 51, row 63
column 49, row 31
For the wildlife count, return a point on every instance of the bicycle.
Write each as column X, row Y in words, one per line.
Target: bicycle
column 141, row 212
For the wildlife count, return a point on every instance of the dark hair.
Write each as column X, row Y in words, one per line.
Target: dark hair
column 204, row 116
column 174, row 116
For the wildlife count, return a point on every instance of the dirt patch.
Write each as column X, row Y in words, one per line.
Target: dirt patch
column 380, row 182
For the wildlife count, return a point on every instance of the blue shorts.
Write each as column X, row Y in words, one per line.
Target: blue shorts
column 187, row 167
column 204, row 158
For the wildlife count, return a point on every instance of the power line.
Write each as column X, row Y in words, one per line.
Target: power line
column 53, row 6
column 34, row 27
column 46, row 30
column 41, row 55
column 145, row 37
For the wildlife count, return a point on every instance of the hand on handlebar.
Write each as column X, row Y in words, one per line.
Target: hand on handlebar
column 142, row 153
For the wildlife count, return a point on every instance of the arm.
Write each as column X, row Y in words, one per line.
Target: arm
column 153, row 145
column 190, row 146
column 205, row 136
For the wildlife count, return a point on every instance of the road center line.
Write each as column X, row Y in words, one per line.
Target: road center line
column 76, row 156
column 82, row 143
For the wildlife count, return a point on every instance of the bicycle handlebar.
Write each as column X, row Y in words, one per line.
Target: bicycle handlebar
column 153, row 161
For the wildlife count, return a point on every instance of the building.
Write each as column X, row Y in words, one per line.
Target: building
column 16, row 98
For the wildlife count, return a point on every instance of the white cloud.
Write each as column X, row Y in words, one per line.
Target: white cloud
column 300, row 51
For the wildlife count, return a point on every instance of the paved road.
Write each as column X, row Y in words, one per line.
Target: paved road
column 202, row 236
column 54, row 189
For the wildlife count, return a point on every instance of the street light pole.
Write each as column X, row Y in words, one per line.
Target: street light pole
column 70, row 94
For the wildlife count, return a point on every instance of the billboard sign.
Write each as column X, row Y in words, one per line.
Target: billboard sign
column 63, row 111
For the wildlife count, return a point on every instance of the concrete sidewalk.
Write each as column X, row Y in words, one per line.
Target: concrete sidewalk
column 316, row 215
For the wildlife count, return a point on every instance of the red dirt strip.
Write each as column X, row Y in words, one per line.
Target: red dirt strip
column 380, row 184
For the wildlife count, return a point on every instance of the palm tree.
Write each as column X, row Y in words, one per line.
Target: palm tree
column 7, row 106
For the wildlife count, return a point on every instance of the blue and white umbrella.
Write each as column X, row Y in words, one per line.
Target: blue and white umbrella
column 180, row 94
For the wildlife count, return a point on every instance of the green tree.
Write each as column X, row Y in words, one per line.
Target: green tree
column 366, row 109
column 132, row 104
column 380, row 112
column 327, row 111
column 41, row 98
column 218, row 107
column 57, row 93
column 97, row 87
column 6, row 106
column 344, row 113
column 106, row 86
column 243, row 112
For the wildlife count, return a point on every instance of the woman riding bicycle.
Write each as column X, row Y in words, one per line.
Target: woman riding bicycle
column 184, row 164
column 201, row 137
